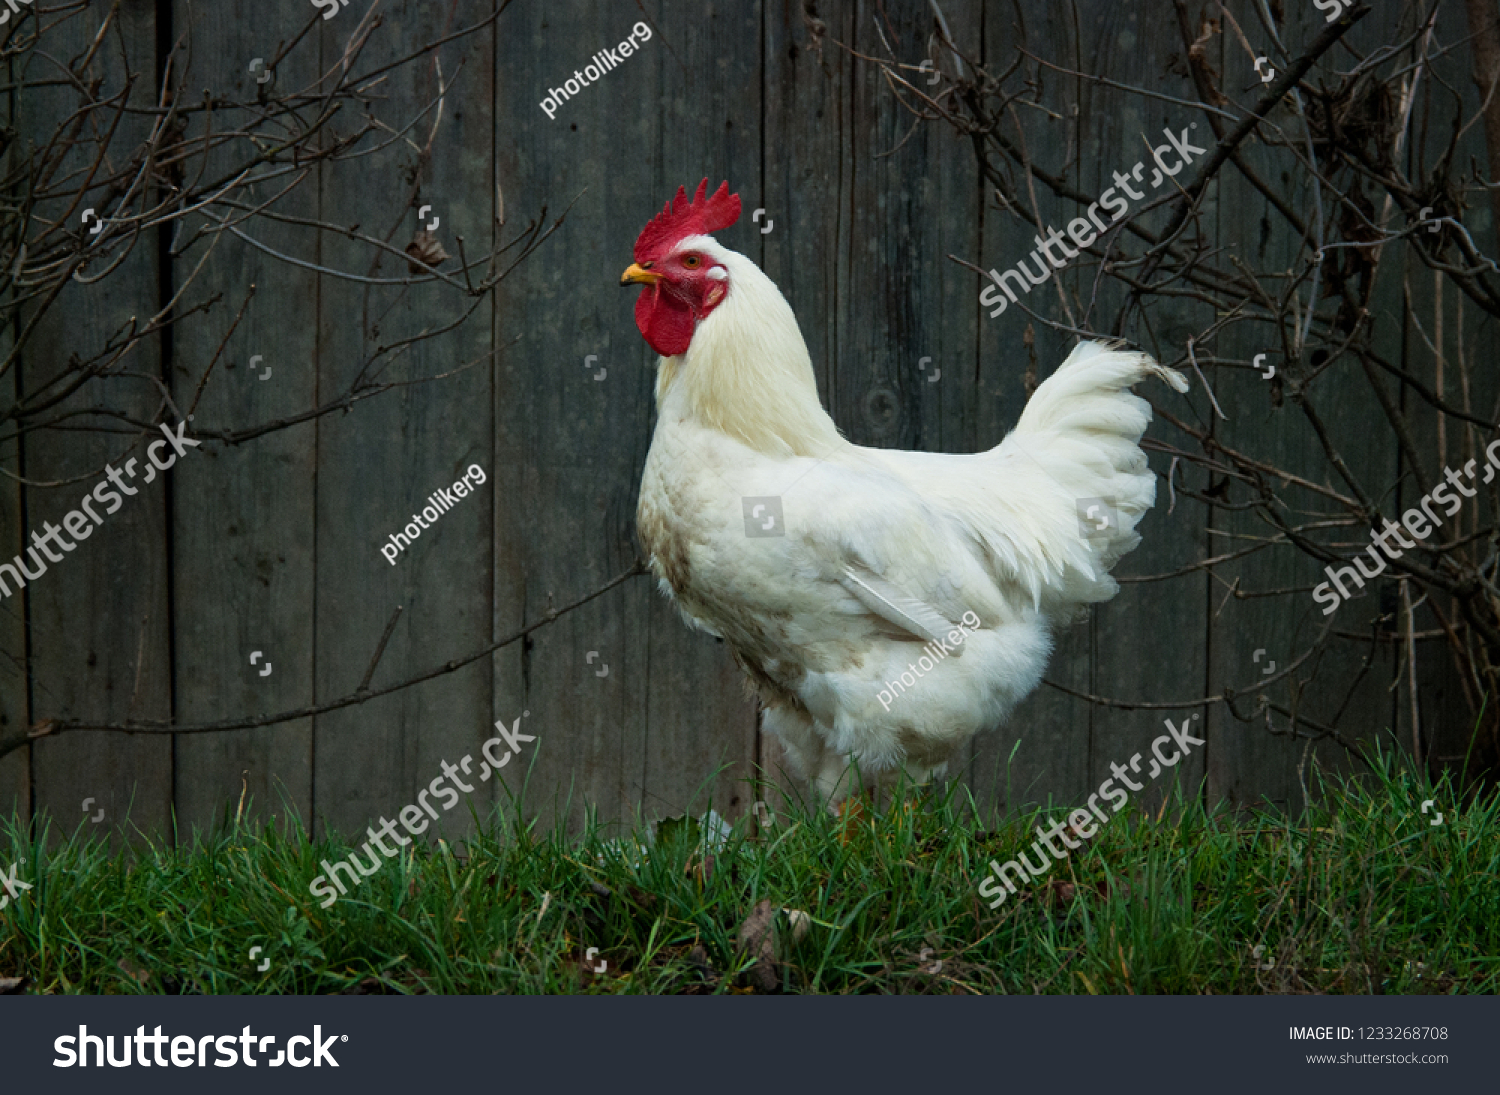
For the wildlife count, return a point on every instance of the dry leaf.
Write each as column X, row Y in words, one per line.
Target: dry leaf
column 424, row 252
column 757, row 938
column 366, row 986
column 701, row 868
column 1058, row 892
column 760, row 937
column 1198, row 58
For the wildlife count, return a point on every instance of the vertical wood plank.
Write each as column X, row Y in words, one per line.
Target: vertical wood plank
column 1464, row 336
column 99, row 617
column 243, row 515
column 377, row 466
column 15, row 769
column 1145, row 647
column 1044, row 751
column 655, row 733
column 1247, row 764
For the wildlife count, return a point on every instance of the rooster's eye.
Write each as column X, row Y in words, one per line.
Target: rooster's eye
column 690, row 262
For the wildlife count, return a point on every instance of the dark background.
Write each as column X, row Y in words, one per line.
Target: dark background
column 273, row 544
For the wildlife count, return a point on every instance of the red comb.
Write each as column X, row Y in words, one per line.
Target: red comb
column 681, row 218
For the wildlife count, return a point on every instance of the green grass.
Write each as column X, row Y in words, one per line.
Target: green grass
column 1361, row 895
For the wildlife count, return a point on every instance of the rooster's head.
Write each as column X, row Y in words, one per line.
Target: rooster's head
column 683, row 280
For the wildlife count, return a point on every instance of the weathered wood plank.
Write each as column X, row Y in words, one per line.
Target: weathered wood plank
column 1146, row 645
column 1247, row 764
column 243, row 516
column 99, row 623
column 377, row 466
column 562, row 436
column 1044, row 750
column 15, row 769
column 669, row 714
column 1466, row 339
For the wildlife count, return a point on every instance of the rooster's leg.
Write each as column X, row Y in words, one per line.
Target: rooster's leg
column 857, row 809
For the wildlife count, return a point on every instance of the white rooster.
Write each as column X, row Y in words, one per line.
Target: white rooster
column 853, row 610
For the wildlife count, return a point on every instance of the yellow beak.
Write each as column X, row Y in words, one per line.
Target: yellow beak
column 635, row 273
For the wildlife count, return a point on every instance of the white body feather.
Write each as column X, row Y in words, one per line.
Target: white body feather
column 881, row 548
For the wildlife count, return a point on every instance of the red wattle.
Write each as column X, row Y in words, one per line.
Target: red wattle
column 664, row 322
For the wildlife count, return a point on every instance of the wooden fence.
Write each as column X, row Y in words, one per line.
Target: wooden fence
column 272, row 545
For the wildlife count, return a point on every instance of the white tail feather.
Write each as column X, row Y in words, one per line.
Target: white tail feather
column 1076, row 441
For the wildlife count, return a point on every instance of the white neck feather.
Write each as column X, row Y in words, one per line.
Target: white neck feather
column 747, row 373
